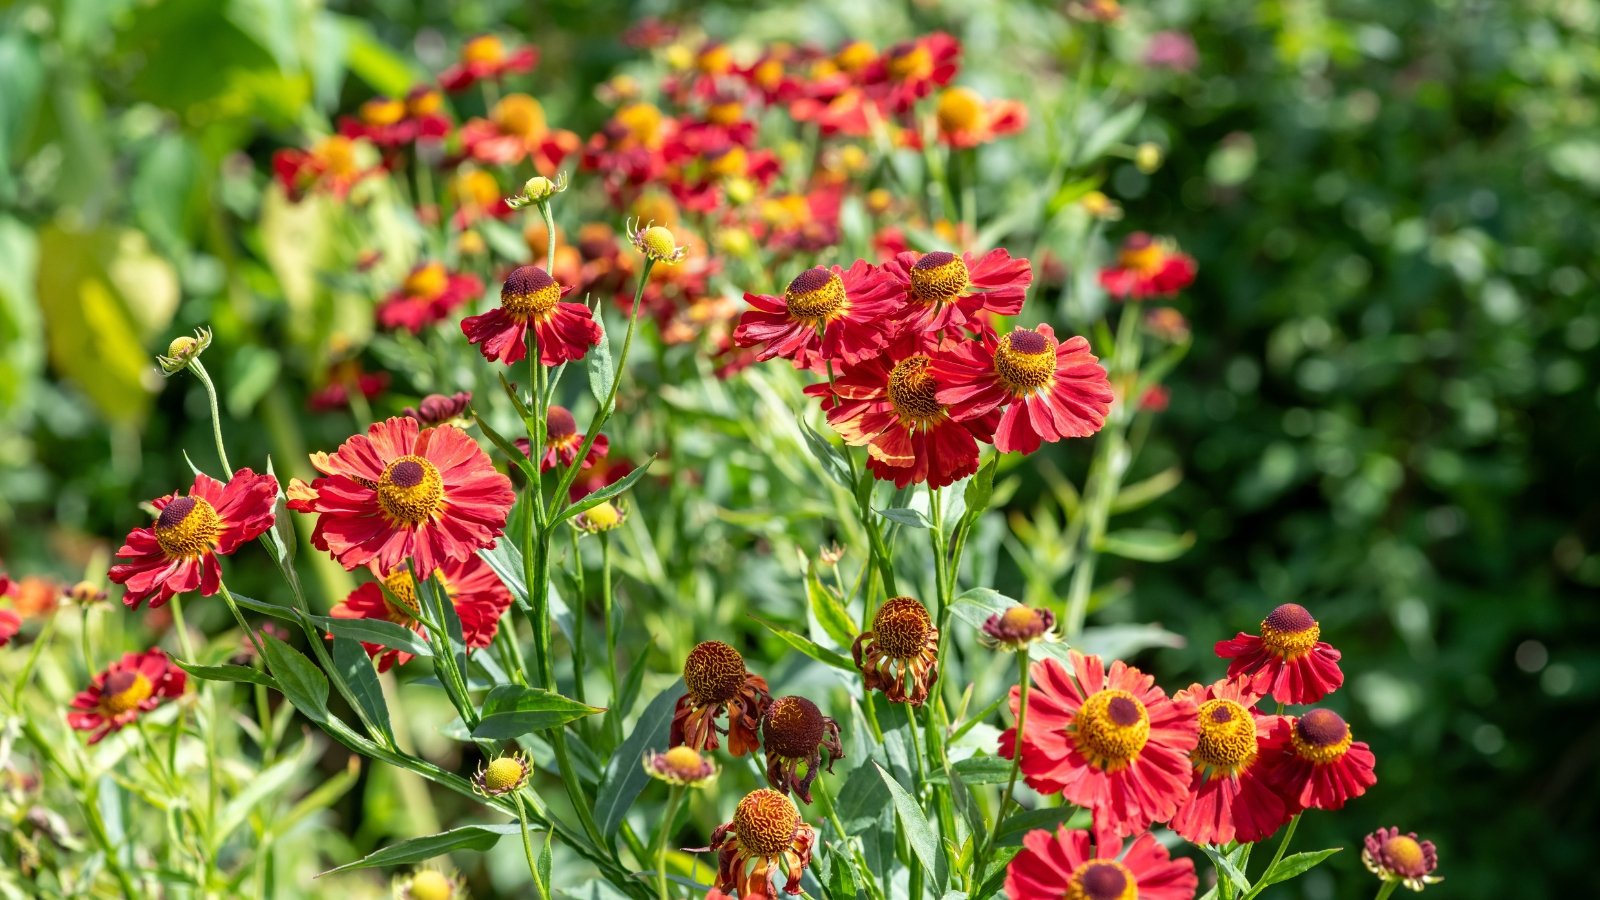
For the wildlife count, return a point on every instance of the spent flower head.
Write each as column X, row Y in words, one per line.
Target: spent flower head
column 184, row 350
column 1393, row 856
column 681, row 766
column 502, row 775
column 656, row 242
column 538, row 189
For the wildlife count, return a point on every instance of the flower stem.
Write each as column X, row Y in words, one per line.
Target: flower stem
column 1387, row 889
column 1288, row 835
column 539, row 888
column 216, row 419
column 673, row 801
column 1016, row 761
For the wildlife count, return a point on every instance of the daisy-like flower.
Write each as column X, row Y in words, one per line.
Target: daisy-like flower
column 35, row 596
column 502, row 775
column 1148, row 267
column 943, row 290
column 911, row 70
column 333, row 166
column 767, row 837
column 563, row 440
column 402, row 491
column 430, row 884
column 1229, row 800
column 437, row 409
column 1287, row 660
column 1018, row 627
column 717, row 683
column 1050, row 390
column 900, row 655
column 1393, row 856
column 486, row 57
column 824, row 314
column 1111, row 742
column 479, row 596
column 127, row 689
column 795, row 732
column 428, row 295
column 516, row 130
column 889, row 404
column 477, row 195
column 343, row 381
column 681, row 766
column 1059, row 865
column 530, row 298
column 966, row 119
column 1316, row 764
column 390, row 123
column 179, row 552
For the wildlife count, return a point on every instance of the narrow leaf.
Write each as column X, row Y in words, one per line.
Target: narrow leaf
column 830, row 612
column 355, row 667
column 376, row 631
column 590, row 501
column 807, row 646
column 1292, row 866
column 299, row 678
column 1146, row 544
column 918, row 832
column 912, row 518
column 468, row 837
column 625, row 777
column 229, row 672
column 511, row 711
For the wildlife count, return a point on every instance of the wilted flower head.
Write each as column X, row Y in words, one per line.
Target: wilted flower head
column 717, row 683
column 900, row 655
column 681, row 766
column 656, row 242
column 184, row 350
column 85, row 592
column 1018, row 627
column 766, row 831
column 502, row 775
column 1393, row 856
column 795, row 732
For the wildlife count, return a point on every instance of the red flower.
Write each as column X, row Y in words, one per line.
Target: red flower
column 391, row 123
column 888, row 403
column 484, row 57
column 825, row 314
column 965, row 119
column 1148, row 267
column 342, row 378
column 478, row 595
column 179, row 552
column 530, row 296
column 1051, row 391
column 10, row 624
column 943, row 290
column 1230, row 799
column 1110, row 742
column 1287, row 660
column 563, row 440
column 1053, row 866
column 437, row 409
column 428, row 295
column 1316, row 765
column 909, row 71
column 477, row 195
column 516, row 130
column 332, row 165
column 395, row 492
column 135, row 684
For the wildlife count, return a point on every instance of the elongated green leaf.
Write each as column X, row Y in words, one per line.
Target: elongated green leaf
column 975, row 606
column 299, row 678
column 831, row 458
column 262, row 786
column 1226, row 867
column 1146, row 544
column 468, row 837
column 606, row 493
column 276, row 610
column 830, row 613
column 912, row 518
column 1147, row 491
column 807, row 646
column 355, row 667
column 1110, row 130
column 602, row 371
column 376, row 631
column 229, row 672
column 918, row 832
column 981, row 488
column 625, row 777
column 977, row 770
column 1050, row 818
column 1291, row 866
column 511, row 711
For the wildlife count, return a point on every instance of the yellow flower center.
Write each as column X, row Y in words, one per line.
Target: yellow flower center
column 729, row 163
column 504, row 774
column 429, row 884
column 1227, row 738
column 901, row 628
column 713, row 672
column 1025, row 361
column 337, row 154
column 123, row 692
column 1290, row 632
column 411, row 491
column 520, row 115
column 960, row 109
column 768, row 73
column 477, row 188
column 793, row 728
column 714, row 60
column 426, row 282
column 1320, row 736
column 643, row 122
column 657, row 242
column 424, row 103
column 910, row 62
column 765, row 822
column 855, row 56
column 912, row 391
column 727, row 113
column 529, row 293
column 484, row 49
column 1102, row 879
column 188, row 527
column 382, row 111
column 603, row 517
column 1404, row 854
column 401, row 595
column 683, row 758
column 1142, row 254
column 939, row 277
column 815, row 296
column 1019, row 617
column 1111, row 728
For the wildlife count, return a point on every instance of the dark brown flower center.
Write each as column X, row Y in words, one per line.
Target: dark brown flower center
column 1320, row 736
column 559, row 424
column 1102, row 879
column 1025, row 360
column 529, row 293
column 123, row 691
column 793, row 728
column 713, row 672
column 188, row 527
column 1227, row 736
column 1289, row 631
column 1111, row 728
column 815, row 295
column 411, row 491
column 901, row 628
column 939, row 277
column 913, row 392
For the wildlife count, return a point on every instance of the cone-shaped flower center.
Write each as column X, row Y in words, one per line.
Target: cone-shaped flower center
column 727, row 162
column 1289, row 631
column 529, row 293
column 430, row 884
column 188, row 527
column 1111, row 728
column 960, row 109
column 713, row 672
column 123, row 691
column 683, row 759
column 1404, row 855
column 484, row 49
column 793, row 728
column 1320, row 736
column 1227, row 737
column 602, row 517
column 559, row 425
column 815, row 295
column 426, row 282
column 519, row 115
column 901, row 628
column 913, row 392
column 401, row 595
column 939, row 277
column 657, row 243
column 1025, row 360
column 1102, row 879
column 505, row 774
column 382, row 111
column 1142, row 253
column 909, row 61
column 766, row 821
column 411, row 491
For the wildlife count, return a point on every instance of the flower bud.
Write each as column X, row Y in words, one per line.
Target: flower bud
column 184, row 350
column 657, row 243
column 1147, row 157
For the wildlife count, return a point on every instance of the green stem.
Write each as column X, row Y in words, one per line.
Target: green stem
column 673, row 801
column 580, row 612
column 607, row 601
column 1387, row 889
column 1283, row 845
column 527, row 849
column 255, row 640
column 216, row 418
column 1016, row 761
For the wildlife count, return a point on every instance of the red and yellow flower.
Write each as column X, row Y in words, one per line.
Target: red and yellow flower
column 766, row 837
column 794, row 732
column 530, row 298
column 179, row 552
column 825, row 314
column 1316, row 763
column 965, row 119
column 10, row 624
column 486, row 57
column 130, row 687
column 429, row 294
column 943, row 290
column 333, row 165
column 390, row 123
column 1287, row 660
column 563, row 440
column 1111, row 742
column 1059, row 865
column 437, row 409
column 1148, row 267
column 1229, row 797
column 477, row 195
column 1393, row 856
column 900, row 655
column 717, row 683
column 1050, row 390
column 516, row 130
column 479, row 596
column 402, row 492
column 911, row 70
column 342, row 382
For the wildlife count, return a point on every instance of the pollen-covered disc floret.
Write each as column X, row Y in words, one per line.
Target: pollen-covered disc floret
column 188, row 528
column 411, row 491
column 1393, row 856
column 1320, row 736
column 682, row 766
column 717, row 682
column 939, row 277
column 1025, row 360
column 1018, row 627
column 900, row 655
column 1227, row 736
column 815, row 295
column 795, row 732
column 502, row 775
column 1289, row 632
column 913, row 391
column 529, row 293
column 1111, row 728
column 531, row 298
column 766, row 837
